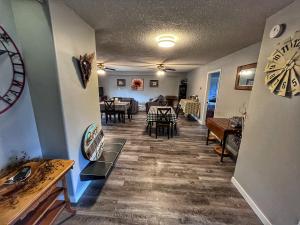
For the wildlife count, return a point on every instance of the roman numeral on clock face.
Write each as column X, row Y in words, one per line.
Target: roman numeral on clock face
column 17, row 83
column 11, row 91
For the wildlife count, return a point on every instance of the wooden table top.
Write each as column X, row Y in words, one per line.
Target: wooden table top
column 117, row 103
column 25, row 197
column 222, row 123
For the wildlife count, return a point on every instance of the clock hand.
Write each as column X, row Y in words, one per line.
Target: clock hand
column 291, row 59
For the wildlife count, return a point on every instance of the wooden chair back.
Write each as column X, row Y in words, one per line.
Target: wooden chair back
column 177, row 110
column 109, row 106
column 164, row 115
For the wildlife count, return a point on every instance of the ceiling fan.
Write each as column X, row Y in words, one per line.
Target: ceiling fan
column 162, row 67
column 101, row 68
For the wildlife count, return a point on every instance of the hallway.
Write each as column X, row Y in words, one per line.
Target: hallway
column 161, row 181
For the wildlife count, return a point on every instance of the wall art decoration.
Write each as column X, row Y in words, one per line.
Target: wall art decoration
column 92, row 142
column 121, row 82
column 137, row 84
column 283, row 68
column 85, row 64
column 245, row 77
column 12, row 71
column 154, row 83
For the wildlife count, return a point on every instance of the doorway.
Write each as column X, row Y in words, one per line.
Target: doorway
column 212, row 93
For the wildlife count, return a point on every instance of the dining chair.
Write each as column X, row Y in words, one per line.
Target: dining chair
column 109, row 109
column 163, row 103
column 129, row 110
column 177, row 111
column 163, row 120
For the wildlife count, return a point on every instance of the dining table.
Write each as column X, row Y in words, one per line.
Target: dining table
column 119, row 106
column 152, row 116
column 190, row 106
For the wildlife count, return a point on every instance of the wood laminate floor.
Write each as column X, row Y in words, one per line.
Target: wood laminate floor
column 163, row 182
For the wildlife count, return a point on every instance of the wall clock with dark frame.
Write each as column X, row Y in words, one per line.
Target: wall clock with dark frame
column 12, row 72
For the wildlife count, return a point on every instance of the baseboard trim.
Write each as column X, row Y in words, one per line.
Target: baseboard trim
column 251, row 203
column 200, row 121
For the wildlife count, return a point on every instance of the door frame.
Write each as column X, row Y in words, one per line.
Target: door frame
column 207, row 91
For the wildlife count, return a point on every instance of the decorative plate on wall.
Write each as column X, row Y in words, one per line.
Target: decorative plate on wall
column 12, row 71
column 283, row 68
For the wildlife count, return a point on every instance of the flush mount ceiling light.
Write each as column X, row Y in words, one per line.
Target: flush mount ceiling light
column 166, row 41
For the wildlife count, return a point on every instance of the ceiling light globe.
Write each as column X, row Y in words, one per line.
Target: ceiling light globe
column 160, row 73
column 101, row 72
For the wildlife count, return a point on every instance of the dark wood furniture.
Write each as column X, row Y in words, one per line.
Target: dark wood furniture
column 130, row 110
column 153, row 117
column 182, row 91
column 109, row 109
column 177, row 111
column 35, row 201
column 163, row 120
column 221, row 129
column 171, row 100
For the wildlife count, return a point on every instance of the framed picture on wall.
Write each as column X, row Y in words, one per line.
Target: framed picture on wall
column 137, row 84
column 245, row 77
column 121, row 82
column 153, row 83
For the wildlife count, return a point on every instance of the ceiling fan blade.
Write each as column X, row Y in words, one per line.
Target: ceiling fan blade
column 133, row 65
column 110, row 69
column 169, row 69
column 184, row 64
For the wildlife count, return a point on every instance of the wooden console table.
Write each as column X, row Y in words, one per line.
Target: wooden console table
column 35, row 200
column 221, row 128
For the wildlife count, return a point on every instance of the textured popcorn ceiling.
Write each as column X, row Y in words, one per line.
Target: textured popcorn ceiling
column 206, row 29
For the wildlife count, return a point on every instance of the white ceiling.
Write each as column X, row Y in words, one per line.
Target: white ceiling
column 206, row 29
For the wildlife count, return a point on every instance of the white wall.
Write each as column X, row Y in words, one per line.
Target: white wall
column 18, row 130
column 168, row 85
column 268, row 166
column 39, row 56
column 73, row 37
column 229, row 100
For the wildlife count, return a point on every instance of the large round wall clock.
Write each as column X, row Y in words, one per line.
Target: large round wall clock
column 283, row 68
column 12, row 72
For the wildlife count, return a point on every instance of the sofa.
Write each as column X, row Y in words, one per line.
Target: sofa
column 158, row 101
column 135, row 104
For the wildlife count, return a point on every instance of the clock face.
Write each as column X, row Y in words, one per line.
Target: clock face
column 12, row 72
column 283, row 68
